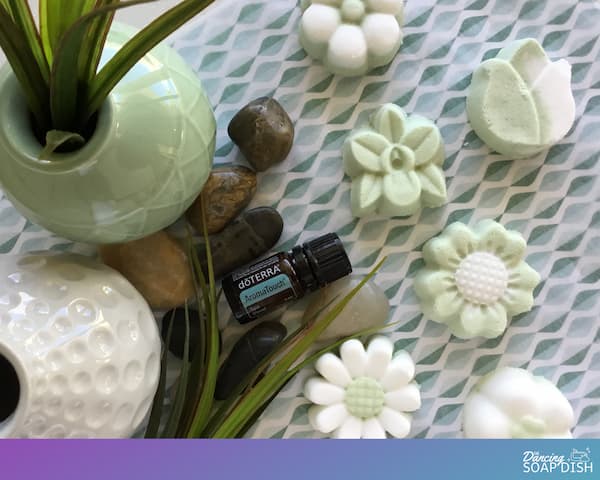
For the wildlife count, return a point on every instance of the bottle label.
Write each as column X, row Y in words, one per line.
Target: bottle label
column 266, row 289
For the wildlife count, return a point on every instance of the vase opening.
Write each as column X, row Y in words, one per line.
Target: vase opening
column 11, row 390
column 87, row 132
column 25, row 139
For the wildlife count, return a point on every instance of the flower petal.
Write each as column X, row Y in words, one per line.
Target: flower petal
column 493, row 237
column 386, row 6
column 348, row 50
column 351, row 429
column 362, row 153
column 423, row 137
column 447, row 305
column 483, row 419
column 332, row 368
column 401, row 194
column 399, row 373
column 354, row 357
column 366, row 194
column 433, row 185
column 383, row 35
column 552, row 90
column 395, row 423
column 517, row 301
column 441, row 252
column 379, row 356
column 462, row 237
column 317, row 26
column 406, row 399
column 326, row 419
column 431, row 283
column 322, row 392
column 485, row 321
column 389, row 120
column 514, row 250
column 372, row 429
column 523, row 277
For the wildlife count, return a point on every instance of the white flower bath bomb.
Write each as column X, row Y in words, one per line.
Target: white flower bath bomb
column 521, row 103
column 352, row 37
column 513, row 403
column 363, row 394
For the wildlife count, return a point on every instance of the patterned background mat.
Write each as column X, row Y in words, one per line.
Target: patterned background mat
column 243, row 50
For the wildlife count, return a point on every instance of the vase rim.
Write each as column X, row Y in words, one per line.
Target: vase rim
column 15, row 118
column 9, row 424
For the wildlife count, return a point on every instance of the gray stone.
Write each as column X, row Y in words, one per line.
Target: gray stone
column 369, row 308
column 244, row 240
column 176, row 345
column 264, row 133
column 246, row 354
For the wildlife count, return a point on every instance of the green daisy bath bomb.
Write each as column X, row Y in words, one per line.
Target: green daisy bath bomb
column 475, row 280
column 521, row 103
column 395, row 163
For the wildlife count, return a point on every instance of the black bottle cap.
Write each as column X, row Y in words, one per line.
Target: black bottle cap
column 327, row 258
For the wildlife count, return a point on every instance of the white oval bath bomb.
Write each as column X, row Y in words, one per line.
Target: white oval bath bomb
column 513, row 403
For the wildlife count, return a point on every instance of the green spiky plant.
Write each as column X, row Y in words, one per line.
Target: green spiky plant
column 193, row 412
column 57, row 64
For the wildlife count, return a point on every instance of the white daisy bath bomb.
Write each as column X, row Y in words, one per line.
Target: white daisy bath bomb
column 395, row 163
column 352, row 37
column 521, row 103
column 475, row 280
column 363, row 394
column 513, row 403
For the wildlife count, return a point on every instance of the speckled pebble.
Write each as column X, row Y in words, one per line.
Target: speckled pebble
column 264, row 133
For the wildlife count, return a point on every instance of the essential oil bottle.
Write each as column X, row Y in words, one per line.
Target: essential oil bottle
column 285, row 276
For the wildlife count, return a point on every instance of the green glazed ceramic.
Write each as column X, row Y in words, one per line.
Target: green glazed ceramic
column 147, row 161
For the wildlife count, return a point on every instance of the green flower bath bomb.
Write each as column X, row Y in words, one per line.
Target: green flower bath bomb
column 521, row 103
column 475, row 280
column 395, row 163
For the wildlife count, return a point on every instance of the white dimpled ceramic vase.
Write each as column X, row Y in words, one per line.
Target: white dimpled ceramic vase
column 79, row 349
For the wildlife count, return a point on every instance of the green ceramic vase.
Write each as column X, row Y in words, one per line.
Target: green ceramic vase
column 146, row 162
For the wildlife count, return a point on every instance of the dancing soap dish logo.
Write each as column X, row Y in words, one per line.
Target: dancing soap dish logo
column 578, row 461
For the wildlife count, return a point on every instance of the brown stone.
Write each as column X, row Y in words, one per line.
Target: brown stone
column 157, row 266
column 226, row 193
column 264, row 133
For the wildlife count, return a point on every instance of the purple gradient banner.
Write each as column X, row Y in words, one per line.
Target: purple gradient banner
column 298, row 459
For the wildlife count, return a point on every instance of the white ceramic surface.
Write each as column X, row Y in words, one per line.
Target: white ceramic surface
column 84, row 345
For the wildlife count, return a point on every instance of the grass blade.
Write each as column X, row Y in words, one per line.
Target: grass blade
column 94, row 45
column 56, row 16
column 137, row 47
column 64, row 84
column 159, row 398
column 202, row 413
column 22, row 60
column 178, row 404
column 23, row 18
column 332, row 346
column 56, row 138
column 197, row 368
